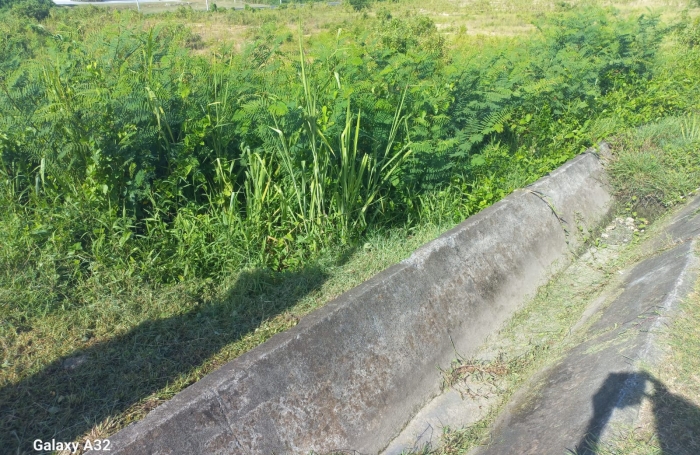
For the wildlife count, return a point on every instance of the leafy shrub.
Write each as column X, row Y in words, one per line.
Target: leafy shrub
column 359, row 5
column 35, row 9
column 129, row 153
column 690, row 33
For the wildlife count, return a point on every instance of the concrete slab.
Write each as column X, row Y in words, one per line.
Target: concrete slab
column 451, row 409
column 683, row 227
column 572, row 406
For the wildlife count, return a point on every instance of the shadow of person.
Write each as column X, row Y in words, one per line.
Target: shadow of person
column 676, row 420
column 74, row 393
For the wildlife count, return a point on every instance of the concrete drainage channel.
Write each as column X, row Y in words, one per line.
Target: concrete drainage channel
column 593, row 389
column 589, row 345
column 353, row 374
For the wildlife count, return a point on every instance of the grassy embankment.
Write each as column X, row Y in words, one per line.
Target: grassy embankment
column 172, row 199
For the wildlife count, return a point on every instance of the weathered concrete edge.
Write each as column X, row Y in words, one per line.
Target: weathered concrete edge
column 543, row 416
column 652, row 353
column 351, row 374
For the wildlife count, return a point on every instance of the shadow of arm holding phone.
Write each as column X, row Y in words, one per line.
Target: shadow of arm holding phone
column 676, row 420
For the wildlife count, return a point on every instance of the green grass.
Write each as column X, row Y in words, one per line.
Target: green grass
column 657, row 165
column 176, row 196
column 141, row 344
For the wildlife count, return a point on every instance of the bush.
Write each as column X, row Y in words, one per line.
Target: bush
column 142, row 156
column 690, row 33
column 359, row 5
column 36, row 9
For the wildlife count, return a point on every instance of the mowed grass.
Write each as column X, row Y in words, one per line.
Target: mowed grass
column 91, row 370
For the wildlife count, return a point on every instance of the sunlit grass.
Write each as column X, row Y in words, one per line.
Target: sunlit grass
column 151, row 326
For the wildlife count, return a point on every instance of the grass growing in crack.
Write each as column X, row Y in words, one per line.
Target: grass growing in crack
column 531, row 339
column 480, row 370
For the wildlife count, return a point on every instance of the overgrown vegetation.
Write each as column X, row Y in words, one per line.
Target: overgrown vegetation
column 124, row 151
column 132, row 165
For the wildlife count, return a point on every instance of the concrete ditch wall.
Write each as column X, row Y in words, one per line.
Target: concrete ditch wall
column 350, row 375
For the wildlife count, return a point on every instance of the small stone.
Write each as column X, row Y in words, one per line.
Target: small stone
column 604, row 235
column 72, row 363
